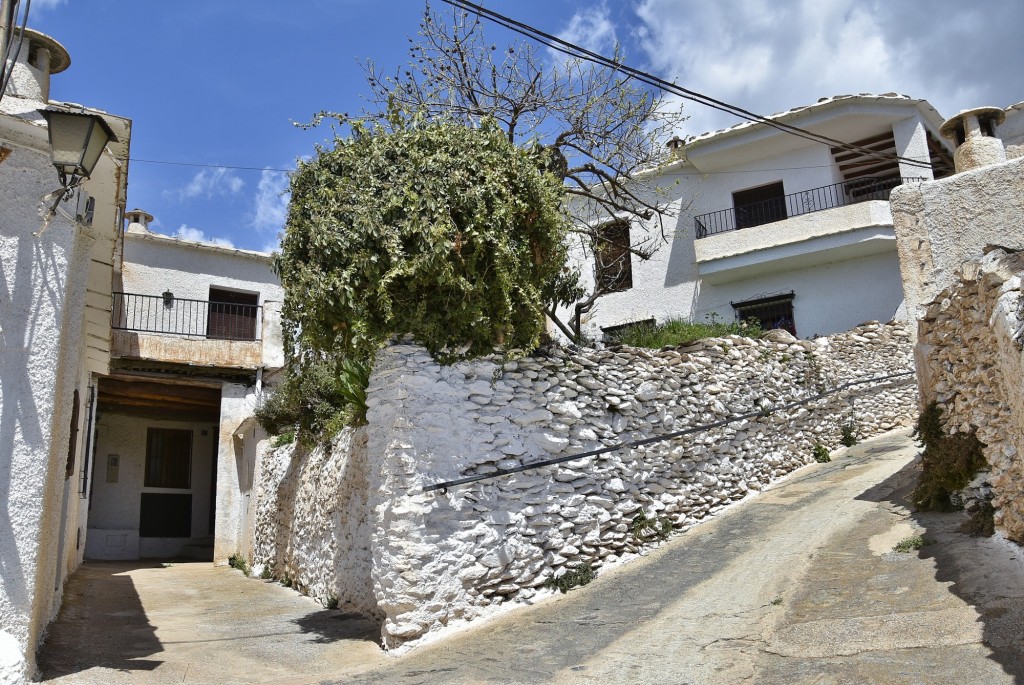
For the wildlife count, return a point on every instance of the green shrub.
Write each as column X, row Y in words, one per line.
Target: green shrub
column 645, row 529
column 848, row 432
column 331, row 603
column 682, row 332
column 982, row 522
column 237, row 561
column 913, row 543
column 948, row 462
column 821, row 454
column 576, row 577
column 317, row 399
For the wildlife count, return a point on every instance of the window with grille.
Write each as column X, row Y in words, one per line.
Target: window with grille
column 613, row 266
column 232, row 315
column 761, row 205
column 774, row 311
column 168, row 458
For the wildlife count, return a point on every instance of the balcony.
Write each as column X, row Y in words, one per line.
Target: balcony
column 165, row 328
column 796, row 204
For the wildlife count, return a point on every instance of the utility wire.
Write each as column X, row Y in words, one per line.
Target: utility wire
column 208, row 166
column 579, row 52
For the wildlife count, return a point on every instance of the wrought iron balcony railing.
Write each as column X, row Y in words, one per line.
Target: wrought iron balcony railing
column 804, row 202
column 169, row 315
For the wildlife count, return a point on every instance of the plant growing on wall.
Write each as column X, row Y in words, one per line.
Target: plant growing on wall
column 948, row 462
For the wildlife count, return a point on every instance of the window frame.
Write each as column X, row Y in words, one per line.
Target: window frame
column 612, row 247
column 769, row 209
column 747, row 309
column 157, row 474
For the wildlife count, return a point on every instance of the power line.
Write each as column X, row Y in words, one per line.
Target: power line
column 573, row 50
column 208, row 166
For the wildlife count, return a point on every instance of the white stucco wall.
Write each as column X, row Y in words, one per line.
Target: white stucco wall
column 42, row 291
column 114, row 520
column 236, row 464
column 830, row 298
column 944, row 223
column 154, row 263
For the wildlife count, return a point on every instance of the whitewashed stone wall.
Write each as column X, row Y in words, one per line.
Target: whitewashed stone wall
column 441, row 558
column 970, row 361
column 312, row 521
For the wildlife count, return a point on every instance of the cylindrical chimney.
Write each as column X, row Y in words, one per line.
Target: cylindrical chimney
column 974, row 133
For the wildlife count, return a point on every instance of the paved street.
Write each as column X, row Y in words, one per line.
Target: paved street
column 797, row 585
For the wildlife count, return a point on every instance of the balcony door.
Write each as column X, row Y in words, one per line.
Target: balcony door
column 232, row 315
column 761, row 205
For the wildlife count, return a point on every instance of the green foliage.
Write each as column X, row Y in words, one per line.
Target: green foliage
column 821, row 454
column 285, row 437
column 575, row 577
column 646, row 529
column 982, row 521
column 319, row 398
column 776, row 602
column 682, row 332
column 948, row 462
column 432, row 228
column 913, row 543
column 848, row 432
column 286, row 580
column 237, row 561
column 331, row 603
column 267, row 573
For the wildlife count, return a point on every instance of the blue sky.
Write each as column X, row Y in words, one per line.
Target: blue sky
column 221, row 82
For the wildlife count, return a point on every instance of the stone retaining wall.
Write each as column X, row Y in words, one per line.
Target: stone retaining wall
column 970, row 361
column 312, row 523
column 444, row 557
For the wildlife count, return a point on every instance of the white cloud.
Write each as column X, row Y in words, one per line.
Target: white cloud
column 210, row 183
column 271, row 201
column 186, row 232
column 772, row 55
column 46, row 4
column 593, row 29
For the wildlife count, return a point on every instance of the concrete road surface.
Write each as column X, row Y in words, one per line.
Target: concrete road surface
column 797, row 585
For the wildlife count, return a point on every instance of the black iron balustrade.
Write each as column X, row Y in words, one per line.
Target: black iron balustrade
column 795, row 204
column 169, row 315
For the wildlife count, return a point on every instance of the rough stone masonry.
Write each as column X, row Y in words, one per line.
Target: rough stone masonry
column 429, row 560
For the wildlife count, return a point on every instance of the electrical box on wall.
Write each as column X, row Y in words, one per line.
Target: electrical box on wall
column 113, row 466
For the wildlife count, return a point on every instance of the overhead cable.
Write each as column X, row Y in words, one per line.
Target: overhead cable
column 573, row 50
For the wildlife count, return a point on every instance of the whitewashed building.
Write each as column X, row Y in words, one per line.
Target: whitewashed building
column 55, row 290
column 195, row 328
column 764, row 224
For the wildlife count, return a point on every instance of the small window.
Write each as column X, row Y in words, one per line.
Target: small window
column 761, row 205
column 612, row 333
column 613, row 264
column 774, row 311
column 232, row 315
column 168, row 458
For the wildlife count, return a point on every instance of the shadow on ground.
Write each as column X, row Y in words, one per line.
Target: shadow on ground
column 982, row 572
column 329, row 626
column 101, row 609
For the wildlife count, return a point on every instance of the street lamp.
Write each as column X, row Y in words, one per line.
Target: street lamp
column 77, row 140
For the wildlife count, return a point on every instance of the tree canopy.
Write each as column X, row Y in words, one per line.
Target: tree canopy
column 423, row 226
column 591, row 126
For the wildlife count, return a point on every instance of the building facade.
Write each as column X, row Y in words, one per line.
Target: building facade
column 56, row 270
column 196, row 329
column 763, row 224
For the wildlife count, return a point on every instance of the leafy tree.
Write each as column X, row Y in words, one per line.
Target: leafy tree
column 420, row 226
column 590, row 126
